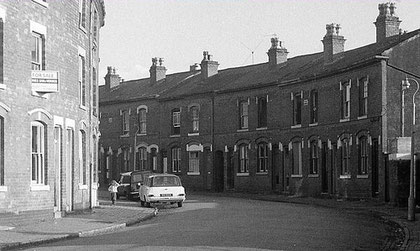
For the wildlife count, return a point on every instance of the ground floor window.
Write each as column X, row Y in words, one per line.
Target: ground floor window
column 314, row 151
column 345, row 156
column 38, row 172
column 363, row 156
column 297, row 158
column 243, row 159
column 176, row 159
column 262, row 157
column 141, row 158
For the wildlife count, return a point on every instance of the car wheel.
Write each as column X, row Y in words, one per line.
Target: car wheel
column 180, row 204
column 147, row 204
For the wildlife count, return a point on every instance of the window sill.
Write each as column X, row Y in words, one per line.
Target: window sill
column 262, row 173
column 83, row 187
column 296, row 126
column 363, row 176
column 242, row 174
column 242, row 130
column 296, row 176
column 2, row 87
column 194, row 134
column 193, row 173
column 314, row 124
column 313, row 175
column 3, row 188
column 40, row 94
column 261, row 128
column 141, row 134
column 362, row 117
column 40, row 2
column 175, row 136
column 345, row 176
column 82, row 29
column 344, row 120
column 40, row 187
column 83, row 107
column 125, row 135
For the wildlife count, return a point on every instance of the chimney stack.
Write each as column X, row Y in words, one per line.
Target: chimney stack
column 111, row 78
column 208, row 66
column 157, row 70
column 277, row 54
column 387, row 23
column 333, row 42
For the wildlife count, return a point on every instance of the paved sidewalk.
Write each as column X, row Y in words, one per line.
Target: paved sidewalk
column 105, row 218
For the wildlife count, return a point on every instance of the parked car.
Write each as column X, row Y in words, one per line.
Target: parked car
column 162, row 188
column 129, row 183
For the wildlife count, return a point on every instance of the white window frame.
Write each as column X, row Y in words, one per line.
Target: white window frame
column 38, row 154
column 296, row 167
column 142, row 118
column 83, row 170
column 176, row 159
column 82, row 78
column 176, row 121
column 243, row 159
column 195, row 118
column 83, row 15
column 141, row 158
column 125, row 119
column 262, row 158
column 244, row 114
column 39, row 31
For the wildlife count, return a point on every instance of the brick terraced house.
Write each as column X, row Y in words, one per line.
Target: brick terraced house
column 49, row 126
column 327, row 123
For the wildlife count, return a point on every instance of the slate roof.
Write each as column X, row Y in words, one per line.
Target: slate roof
column 295, row 69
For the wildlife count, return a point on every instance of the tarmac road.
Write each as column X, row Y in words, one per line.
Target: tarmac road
column 226, row 223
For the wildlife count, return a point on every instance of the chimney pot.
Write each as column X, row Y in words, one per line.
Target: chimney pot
column 112, row 79
column 277, row 54
column 208, row 66
column 333, row 42
column 387, row 23
column 157, row 70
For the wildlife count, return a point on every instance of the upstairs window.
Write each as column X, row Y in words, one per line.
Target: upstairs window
column 297, row 108
column 37, row 51
column 262, row 157
column 314, row 151
column 314, row 107
column 345, row 100
column 243, row 114
column 363, row 96
column 195, row 117
column 262, row 112
column 176, row 122
column 82, row 14
column 363, row 156
column 82, row 80
column 38, row 170
column 142, row 121
column 243, row 159
column 176, row 159
column 125, row 116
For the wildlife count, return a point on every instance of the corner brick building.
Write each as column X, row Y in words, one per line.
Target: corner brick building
column 327, row 123
column 49, row 105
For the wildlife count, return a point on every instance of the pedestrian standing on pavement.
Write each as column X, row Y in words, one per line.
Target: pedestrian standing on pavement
column 113, row 190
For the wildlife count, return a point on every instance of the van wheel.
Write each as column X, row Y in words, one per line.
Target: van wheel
column 180, row 204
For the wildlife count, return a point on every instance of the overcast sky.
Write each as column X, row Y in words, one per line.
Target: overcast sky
column 235, row 32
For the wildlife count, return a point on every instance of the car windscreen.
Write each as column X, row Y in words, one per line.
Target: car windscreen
column 137, row 178
column 165, row 181
column 125, row 179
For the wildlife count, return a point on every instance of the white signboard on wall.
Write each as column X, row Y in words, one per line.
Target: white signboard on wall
column 44, row 81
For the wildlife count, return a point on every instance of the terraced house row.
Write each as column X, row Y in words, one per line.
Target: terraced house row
column 329, row 123
column 49, row 126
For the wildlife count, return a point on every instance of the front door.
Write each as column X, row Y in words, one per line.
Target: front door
column 375, row 178
column 218, row 172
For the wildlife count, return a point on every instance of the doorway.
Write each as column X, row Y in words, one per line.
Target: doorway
column 218, row 172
